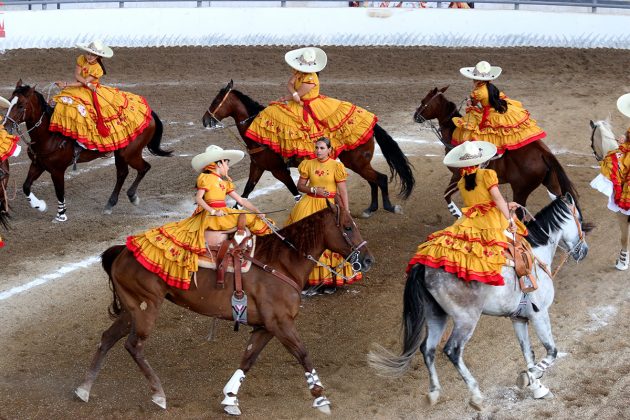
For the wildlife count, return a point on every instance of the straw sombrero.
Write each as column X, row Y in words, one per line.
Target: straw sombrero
column 307, row 60
column 96, row 47
column 623, row 104
column 470, row 153
column 4, row 102
column 482, row 71
column 214, row 153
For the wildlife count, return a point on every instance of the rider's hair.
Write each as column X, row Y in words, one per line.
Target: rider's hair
column 99, row 60
column 470, row 181
column 324, row 140
column 500, row 105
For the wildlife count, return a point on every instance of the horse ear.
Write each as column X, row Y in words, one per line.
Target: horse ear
column 231, row 84
column 444, row 88
column 569, row 198
column 19, row 83
column 592, row 124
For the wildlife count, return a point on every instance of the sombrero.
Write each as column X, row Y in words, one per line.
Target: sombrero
column 4, row 102
column 97, row 48
column 214, row 153
column 307, row 60
column 623, row 104
column 482, row 71
column 470, row 153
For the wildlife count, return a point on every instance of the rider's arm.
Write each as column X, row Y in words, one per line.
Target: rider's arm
column 342, row 190
column 202, row 203
column 502, row 205
column 244, row 202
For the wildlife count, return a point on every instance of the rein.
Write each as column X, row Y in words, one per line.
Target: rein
column 436, row 128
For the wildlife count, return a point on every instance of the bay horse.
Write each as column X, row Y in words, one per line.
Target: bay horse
column 432, row 295
column 4, row 196
column 603, row 142
column 524, row 168
column 273, row 303
column 230, row 102
column 54, row 153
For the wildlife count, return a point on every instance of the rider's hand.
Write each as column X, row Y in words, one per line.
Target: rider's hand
column 512, row 228
column 61, row 84
column 219, row 213
column 261, row 215
column 91, row 86
column 513, row 205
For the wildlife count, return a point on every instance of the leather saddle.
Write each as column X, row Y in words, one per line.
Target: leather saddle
column 520, row 256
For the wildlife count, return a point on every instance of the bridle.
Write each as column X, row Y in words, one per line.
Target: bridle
column 16, row 125
column 419, row 118
column 220, row 125
column 598, row 158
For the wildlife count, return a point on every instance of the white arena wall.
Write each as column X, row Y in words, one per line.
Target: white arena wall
column 214, row 26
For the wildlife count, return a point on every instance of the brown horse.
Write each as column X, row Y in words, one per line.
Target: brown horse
column 273, row 302
column 524, row 168
column 53, row 152
column 233, row 103
column 4, row 197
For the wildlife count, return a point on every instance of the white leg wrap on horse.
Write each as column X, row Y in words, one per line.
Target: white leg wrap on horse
column 312, row 379
column 538, row 389
column 320, row 402
column 454, row 210
column 17, row 151
column 622, row 260
column 36, row 203
column 232, row 387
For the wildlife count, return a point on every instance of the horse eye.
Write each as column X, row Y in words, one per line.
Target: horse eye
column 347, row 228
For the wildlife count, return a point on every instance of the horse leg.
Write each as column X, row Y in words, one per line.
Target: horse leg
column 520, row 194
column 436, row 324
column 377, row 181
column 454, row 350
column 120, row 328
column 255, row 172
column 143, row 322
column 34, row 172
column 448, row 193
column 531, row 378
column 284, row 330
column 58, row 181
column 257, row 341
column 624, row 227
column 142, row 167
column 284, row 175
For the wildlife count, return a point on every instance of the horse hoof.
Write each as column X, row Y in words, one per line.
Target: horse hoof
column 107, row 210
column 135, row 200
column 60, row 218
column 523, row 380
column 476, row 402
column 232, row 410
column 82, row 393
column 398, row 209
column 367, row 213
column 325, row 409
column 42, row 206
column 433, row 397
column 549, row 395
column 159, row 400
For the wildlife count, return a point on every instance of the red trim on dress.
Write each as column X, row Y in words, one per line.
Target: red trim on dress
column 490, row 278
column 155, row 268
column 617, row 184
column 330, row 195
column 218, row 204
column 15, row 140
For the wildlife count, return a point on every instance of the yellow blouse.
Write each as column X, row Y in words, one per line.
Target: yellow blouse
column 95, row 70
column 323, row 174
column 215, row 189
column 310, row 78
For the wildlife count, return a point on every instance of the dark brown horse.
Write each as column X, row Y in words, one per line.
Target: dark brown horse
column 4, row 196
column 233, row 103
column 53, row 152
column 524, row 169
column 273, row 303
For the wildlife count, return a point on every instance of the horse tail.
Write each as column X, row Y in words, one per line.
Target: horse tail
column 107, row 260
column 154, row 144
column 385, row 362
column 398, row 163
column 556, row 169
column 4, row 216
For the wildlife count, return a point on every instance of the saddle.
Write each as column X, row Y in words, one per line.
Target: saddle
column 519, row 255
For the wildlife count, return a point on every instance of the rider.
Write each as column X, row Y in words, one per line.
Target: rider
column 8, row 147
column 473, row 247
column 493, row 117
column 291, row 125
column 172, row 250
column 98, row 117
column 322, row 179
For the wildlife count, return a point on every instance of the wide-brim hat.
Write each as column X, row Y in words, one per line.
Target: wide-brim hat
column 307, row 60
column 623, row 104
column 470, row 153
column 215, row 153
column 482, row 71
column 4, row 102
column 96, row 47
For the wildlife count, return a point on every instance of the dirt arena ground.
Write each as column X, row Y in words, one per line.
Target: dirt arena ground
column 49, row 332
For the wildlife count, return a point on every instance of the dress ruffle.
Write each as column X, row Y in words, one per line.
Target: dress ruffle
column 8, row 144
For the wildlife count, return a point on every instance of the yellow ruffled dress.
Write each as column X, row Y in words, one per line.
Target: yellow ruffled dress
column 111, row 123
column 326, row 175
column 291, row 129
column 510, row 130
column 616, row 168
column 8, row 143
column 473, row 247
column 172, row 251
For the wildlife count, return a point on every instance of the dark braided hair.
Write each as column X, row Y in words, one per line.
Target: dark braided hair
column 470, row 181
column 500, row 105
column 99, row 60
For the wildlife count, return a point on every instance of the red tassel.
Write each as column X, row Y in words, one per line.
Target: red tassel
column 103, row 130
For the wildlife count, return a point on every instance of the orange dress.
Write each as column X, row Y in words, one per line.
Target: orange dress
column 172, row 251
column 327, row 175
column 616, row 168
column 510, row 130
column 105, row 120
column 473, row 247
column 291, row 129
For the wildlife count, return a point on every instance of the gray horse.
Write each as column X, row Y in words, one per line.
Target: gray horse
column 432, row 295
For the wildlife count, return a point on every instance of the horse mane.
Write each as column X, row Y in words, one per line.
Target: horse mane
column 547, row 221
column 302, row 234
column 253, row 107
column 25, row 89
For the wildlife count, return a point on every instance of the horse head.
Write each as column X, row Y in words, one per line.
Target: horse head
column 347, row 239
column 220, row 107
column 602, row 138
column 27, row 106
column 432, row 106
